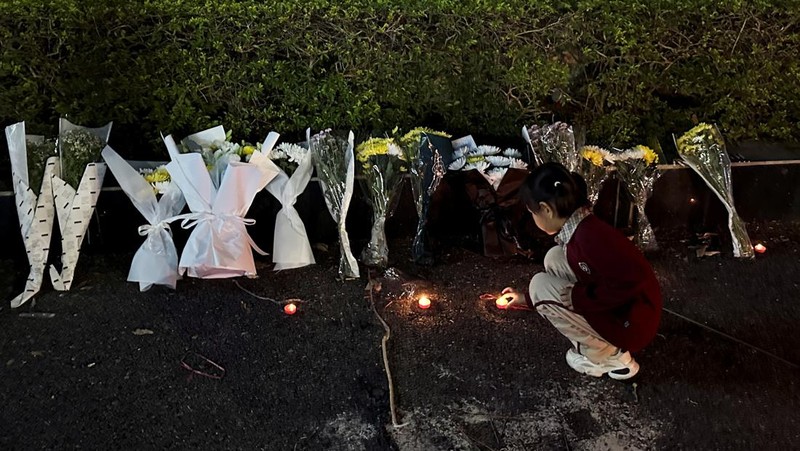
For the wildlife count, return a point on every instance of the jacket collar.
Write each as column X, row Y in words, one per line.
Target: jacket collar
column 568, row 229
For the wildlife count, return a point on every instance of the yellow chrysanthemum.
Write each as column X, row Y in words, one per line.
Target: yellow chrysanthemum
column 160, row 174
column 688, row 143
column 412, row 137
column 648, row 154
column 594, row 155
column 248, row 150
column 372, row 146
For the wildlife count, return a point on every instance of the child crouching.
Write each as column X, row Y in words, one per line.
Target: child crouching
column 598, row 290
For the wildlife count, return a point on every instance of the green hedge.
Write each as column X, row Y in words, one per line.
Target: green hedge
column 627, row 70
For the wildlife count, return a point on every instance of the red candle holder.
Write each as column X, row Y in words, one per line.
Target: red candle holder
column 424, row 302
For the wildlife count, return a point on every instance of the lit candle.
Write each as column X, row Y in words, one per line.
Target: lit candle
column 692, row 200
column 501, row 303
column 760, row 248
column 290, row 308
column 424, row 302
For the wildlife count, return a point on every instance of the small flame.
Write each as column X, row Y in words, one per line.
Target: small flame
column 424, row 302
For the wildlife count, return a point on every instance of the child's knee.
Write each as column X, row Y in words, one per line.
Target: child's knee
column 541, row 283
column 554, row 258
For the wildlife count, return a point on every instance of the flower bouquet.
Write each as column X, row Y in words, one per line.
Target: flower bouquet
column 34, row 162
column 636, row 167
column 492, row 178
column 703, row 149
column 218, row 150
column 333, row 158
column 79, row 149
column 219, row 245
column 156, row 260
column 553, row 143
column 428, row 154
column 383, row 165
column 293, row 166
column 593, row 167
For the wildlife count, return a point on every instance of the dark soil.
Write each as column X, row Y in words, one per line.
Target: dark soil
column 466, row 375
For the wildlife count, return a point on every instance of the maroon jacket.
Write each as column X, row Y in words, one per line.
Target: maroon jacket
column 617, row 291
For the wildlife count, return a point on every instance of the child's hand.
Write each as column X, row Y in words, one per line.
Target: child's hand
column 516, row 300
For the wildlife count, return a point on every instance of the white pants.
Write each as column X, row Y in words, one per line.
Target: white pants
column 555, row 285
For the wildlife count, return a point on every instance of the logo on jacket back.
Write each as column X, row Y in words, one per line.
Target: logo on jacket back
column 584, row 267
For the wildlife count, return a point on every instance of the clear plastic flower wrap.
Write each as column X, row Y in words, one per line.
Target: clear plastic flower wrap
column 335, row 164
column 636, row 167
column 383, row 167
column 428, row 154
column 594, row 169
column 553, row 143
column 703, row 149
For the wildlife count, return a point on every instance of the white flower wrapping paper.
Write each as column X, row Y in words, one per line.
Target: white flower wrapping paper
column 156, row 260
column 36, row 213
column 219, row 245
column 291, row 248
column 74, row 208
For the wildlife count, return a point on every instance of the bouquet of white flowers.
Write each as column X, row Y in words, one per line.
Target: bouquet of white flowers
column 383, row 165
column 34, row 200
column 636, row 167
column 218, row 150
column 219, row 245
column 333, row 158
column 293, row 165
column 703, row 149
column 492, row 178
column 156, row 260
column 80, row 148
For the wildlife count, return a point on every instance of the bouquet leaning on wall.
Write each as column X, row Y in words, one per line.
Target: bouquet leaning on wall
column 335, row 164
column 493, row 177
column 428, row 154
column 219, row 189
column 79, row 148
column 158, row 200
column 383, row 165
column 703, row 149
column 636, row 167
column 34, row 162
column 294, row 165
column 594, row 164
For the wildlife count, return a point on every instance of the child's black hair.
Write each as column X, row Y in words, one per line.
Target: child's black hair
column 553, row 184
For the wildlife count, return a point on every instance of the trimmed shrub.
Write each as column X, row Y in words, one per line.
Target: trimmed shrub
column 626, row 70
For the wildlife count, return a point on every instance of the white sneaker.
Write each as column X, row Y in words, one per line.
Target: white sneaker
column 619, row 366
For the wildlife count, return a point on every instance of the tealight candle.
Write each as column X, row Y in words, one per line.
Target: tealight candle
column 501, row 303
column 290, row 308
column 760, row 248
column 424, row 302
